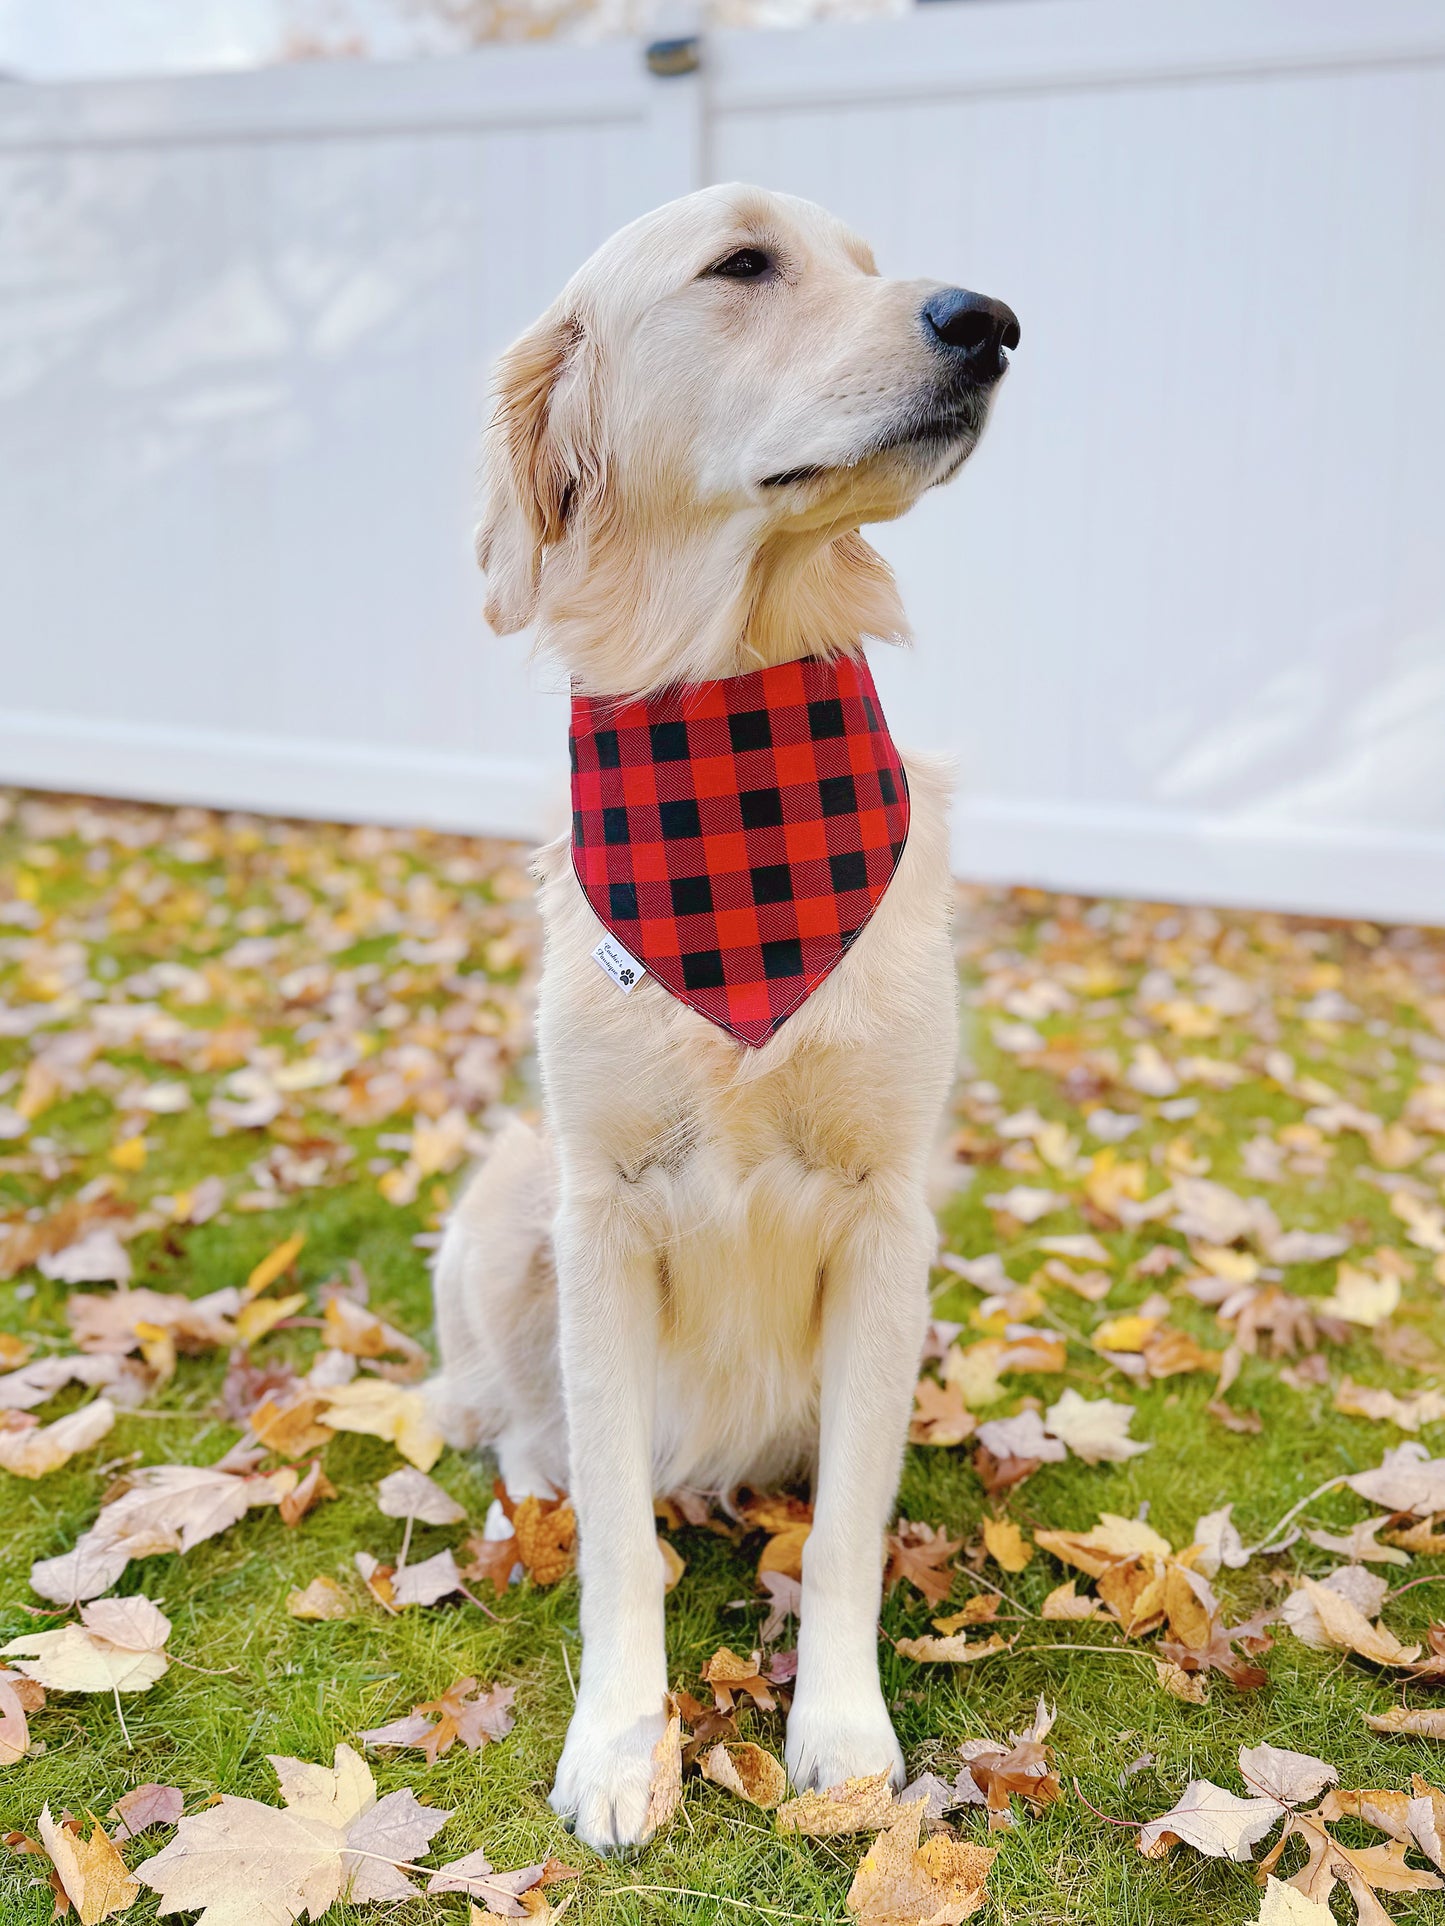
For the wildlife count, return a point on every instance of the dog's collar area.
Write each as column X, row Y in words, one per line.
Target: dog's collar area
column 735, row 836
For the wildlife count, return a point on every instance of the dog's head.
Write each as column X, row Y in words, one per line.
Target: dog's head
column 722, row 395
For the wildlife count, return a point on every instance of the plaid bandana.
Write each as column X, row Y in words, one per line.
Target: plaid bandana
column 736, row 835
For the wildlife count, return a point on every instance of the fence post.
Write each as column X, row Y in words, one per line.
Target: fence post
column 675, row 54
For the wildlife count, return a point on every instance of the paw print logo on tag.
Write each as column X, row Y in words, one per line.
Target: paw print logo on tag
column 625, row 970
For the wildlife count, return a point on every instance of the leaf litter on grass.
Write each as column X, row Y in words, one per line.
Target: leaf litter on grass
column 1198, row 1211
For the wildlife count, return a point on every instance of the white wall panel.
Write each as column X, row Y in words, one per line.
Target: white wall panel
column 1182, row 621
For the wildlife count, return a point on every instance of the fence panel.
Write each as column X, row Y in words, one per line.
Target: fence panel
column 1182, row 621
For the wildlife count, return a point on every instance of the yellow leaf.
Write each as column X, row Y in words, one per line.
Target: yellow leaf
column 858, row 1805
column 274, row 1263
column 1127, row 1333
column 936, row 1884
column 129, row 1153
column 91, row 1871
column 1006, row 1544
column 380, row 1409
column 259, row 1316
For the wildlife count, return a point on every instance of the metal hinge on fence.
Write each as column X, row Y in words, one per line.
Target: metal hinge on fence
column 669, row 58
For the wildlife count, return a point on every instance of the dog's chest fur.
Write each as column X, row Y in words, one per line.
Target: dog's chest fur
column 743, row 1169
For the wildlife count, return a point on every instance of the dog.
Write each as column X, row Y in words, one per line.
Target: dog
column 712, row 1269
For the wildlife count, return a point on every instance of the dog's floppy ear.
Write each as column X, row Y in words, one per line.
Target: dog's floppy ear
column 540, row 462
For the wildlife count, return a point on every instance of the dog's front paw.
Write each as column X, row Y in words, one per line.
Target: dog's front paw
column 605, row 1779
column 829, row 1742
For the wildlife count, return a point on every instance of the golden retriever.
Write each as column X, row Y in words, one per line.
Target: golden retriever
column 713, row 1269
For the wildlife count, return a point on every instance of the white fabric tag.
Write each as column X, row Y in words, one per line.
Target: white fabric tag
column 625, row 970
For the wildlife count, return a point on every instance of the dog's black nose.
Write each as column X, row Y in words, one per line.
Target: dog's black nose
column 974, row 328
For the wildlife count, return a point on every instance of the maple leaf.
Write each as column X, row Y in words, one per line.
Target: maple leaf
column 41, row 1378
column 1215, row 1822
column 117, row 1647
column 380, row 1409
column 243, row 1863
column 1110, row 1542
column 937, row 1883
column 31, row 1451
column 939, row 1415
column 358, row 1331
column 91, row 1872
column 1401, row 1719
column 1094, row 1429
column 164, row 1508
column 1369, row 1401
column 114, row 1324
column 953, row 1650
column 747, row 1772
column 1407, row 1479
column 1283, row 1906
column 474, row 1714
column 858, row 1805
column 1345, row 1627
column 785, row 1601
column 1062, row 1603
column 732, row 1678
column 921, row 1556
column 1006, row 1544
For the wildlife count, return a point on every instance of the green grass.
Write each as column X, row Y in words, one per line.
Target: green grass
column 248, row 1680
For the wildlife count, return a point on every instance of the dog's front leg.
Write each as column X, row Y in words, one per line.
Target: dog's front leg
column 875, row 1305
column 607, row 1298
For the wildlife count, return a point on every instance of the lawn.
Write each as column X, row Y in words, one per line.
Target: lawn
column 217, row 1032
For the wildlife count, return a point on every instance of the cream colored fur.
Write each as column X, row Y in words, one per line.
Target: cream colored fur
column 714, row 1267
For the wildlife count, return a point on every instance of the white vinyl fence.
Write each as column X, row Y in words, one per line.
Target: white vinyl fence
column 1182, row 621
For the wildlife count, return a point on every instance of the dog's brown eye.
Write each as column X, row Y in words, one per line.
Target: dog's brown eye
column 744, row 264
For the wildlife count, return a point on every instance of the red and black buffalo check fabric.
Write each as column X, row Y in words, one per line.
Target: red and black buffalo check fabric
column 736, row 835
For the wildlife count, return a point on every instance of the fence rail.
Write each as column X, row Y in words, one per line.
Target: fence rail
column 1182, row 621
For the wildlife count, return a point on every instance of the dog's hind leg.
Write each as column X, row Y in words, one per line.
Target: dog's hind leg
column 496, row 1318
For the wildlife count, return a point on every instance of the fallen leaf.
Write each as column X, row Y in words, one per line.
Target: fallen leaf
column 921, row 1556
column 939, row 1414
column 954, row 1650
column 1347, row 1629
column 1401, row 1719
column 36, row 1450
column 1213, row 1821
column 477, row 1715
column 1407, row 1479
column 1109, row 1542
column 732, row 1678
column 117, row 1647
column 242, row 1863
column 937, row 1883
column 409, row 1493
column 91, row 1871
column 1295, row 1778
column 1370, row 1401
column 1006, row 1544
column 309, row 1492
column 747, row 1772
column 858, row 1805
column 146, row 1806
column 1062, row 1603
column 274, row 1264
column 379, row 1409
column 323, row 1598
column 18, row 1696
column 1094, row 1429
column 1283, row 1906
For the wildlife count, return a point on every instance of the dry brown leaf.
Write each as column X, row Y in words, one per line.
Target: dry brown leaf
column 32, row 1451
column 323, row 1598
column 900, row 1883
column 747, row 1772
column 309, row 1492
column 477, row 1715
column 291, row 1426
column 91, row 1871
column 665, row 1795
column 732, row 1678
column 358, row 1331
column 939, row 1414
column 1106, row 1544
column 858, row 1805
column 921, row 1556
column 954, row 1650
column 1348, row 1630
column 546, row 1534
